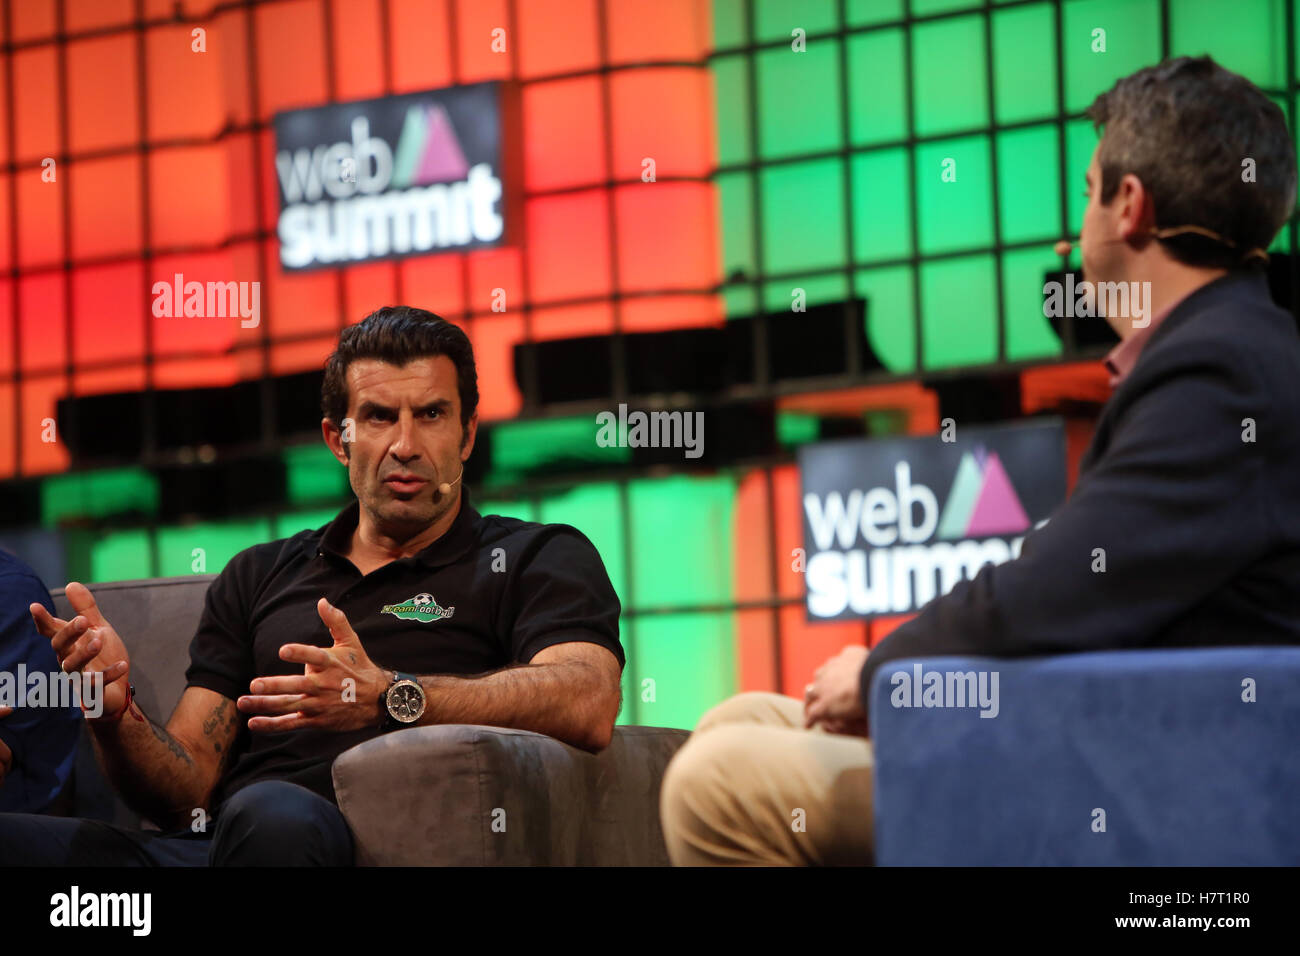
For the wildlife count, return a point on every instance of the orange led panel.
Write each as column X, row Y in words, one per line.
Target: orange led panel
column 188, row 203
column 106, row 208
column 556, row 36
column 568, row 246
column 40, row 219
column 664, row 115
column 563, row 134
column 185, row 92
column 666, row 237
column 290, row 55
column 357, row 31
column 32, row 19
column 419, row 44
column 36, row 104
column 288, row 358
column 664, row 30
column 80, row 16
column 367, row 287
column 562, row 322
column 107, row 381
column 102, row 104
column 494, row 338
column 657, row 313
column 40, row 399
column 481, row 58
column 241, row 171
column 433, row 283
column 491, row 270
column 299, row 303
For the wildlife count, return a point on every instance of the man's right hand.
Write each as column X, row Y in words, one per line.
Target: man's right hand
column 87, row 644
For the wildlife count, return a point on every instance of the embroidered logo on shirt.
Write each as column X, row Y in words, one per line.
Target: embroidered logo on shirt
column 422, row 608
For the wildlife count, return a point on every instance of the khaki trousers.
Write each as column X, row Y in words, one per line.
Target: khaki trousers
column 752, row 787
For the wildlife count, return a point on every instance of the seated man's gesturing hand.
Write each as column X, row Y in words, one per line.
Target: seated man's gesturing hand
column 338, row 689
column 832, row 699
column 87, row 644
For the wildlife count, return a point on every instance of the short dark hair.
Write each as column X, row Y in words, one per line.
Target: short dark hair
column 1184, row 128
column 399, row 334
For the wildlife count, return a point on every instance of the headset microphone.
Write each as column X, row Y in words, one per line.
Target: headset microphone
column 445, row 487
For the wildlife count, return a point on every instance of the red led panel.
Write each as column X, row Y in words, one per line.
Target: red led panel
column 200, row 373
column 493, row 269
column 8, row 449
column 188, row 203
column 568, row 246
column 433, row 283
column 494, row 338
column 666, row 236
column 556, row 36
column 368, row 287
column 419, row 42
column 40, row 399
column 184, row 92
column 108, row 313
column 43, row 343
column 102, row 111
column 290, row 55
column 664, row 30
column 178, row 332
column 475, row 22
column 106, row 207
column 564, row 141
column 664, row 115
column 6, row 246
column 36, row 104
column 357, row 30
column 241, row 170
column 6, row 336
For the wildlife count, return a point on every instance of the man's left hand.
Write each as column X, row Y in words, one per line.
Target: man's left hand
column 338, row 689
column 832, row 699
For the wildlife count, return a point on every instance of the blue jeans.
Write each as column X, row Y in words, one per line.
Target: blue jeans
column 269, row 823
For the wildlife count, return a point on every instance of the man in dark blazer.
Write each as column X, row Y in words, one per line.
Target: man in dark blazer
column 1184, row 527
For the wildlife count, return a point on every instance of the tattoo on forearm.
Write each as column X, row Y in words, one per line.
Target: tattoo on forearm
column 177, row 750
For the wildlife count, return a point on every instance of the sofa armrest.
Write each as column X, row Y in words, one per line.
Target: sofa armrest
column 1186, row 771
column 471, row 795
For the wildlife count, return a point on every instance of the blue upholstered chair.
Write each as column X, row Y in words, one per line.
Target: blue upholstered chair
column 1165, row 748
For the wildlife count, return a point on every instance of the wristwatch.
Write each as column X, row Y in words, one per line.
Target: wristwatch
column 402, row 703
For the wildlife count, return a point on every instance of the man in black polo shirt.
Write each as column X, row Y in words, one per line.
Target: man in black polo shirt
column 408, row 608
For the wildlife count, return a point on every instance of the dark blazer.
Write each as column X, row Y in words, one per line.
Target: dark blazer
column 1200, row 529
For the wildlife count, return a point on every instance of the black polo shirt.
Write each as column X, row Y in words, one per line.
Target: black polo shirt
column 492, row 591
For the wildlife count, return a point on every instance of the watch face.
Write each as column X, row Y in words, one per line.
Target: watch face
column 406, row 701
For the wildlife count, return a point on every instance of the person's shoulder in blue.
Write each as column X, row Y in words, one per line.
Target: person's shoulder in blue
column 38, row 745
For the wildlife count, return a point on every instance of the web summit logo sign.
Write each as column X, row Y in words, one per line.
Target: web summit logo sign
column 391, row 177
column 879, row 537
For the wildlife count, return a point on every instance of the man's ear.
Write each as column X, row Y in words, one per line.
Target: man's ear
column 467, row 440
column 334, row 439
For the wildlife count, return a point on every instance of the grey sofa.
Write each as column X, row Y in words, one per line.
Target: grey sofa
column 444, row 795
